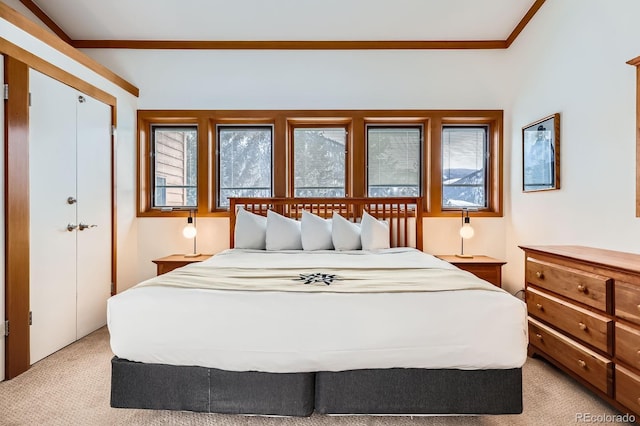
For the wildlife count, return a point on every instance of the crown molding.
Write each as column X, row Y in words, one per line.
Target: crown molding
column 523, row 22
column 292, row 44
column 635, row 62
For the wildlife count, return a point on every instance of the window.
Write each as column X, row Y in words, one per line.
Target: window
column 244, row 162
column 319, row 162
column 394, row 161
column 174, row 166
column 464, row 167
column 197, row 159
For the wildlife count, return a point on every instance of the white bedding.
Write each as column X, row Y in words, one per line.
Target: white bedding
column 412, row 272
column 291, row 331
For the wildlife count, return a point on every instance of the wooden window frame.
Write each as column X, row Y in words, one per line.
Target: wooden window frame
column 486, row 166
column 311, row 123
column 152, row 169
column 145, row 173
column 215, row 188
column 355, row 121
column 494, row 122
column 401, row 123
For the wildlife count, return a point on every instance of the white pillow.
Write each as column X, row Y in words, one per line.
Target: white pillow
column 345, row 234
column 283, row 233
column 316, row 232
column 250, row 231
column 375, row 233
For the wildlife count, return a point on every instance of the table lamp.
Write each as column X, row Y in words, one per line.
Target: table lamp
column 189, row 231
column 466, row 232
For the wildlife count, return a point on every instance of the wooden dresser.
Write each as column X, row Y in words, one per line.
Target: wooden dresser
column 584, row 317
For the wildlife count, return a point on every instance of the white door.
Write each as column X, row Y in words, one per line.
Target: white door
column 94, row 208
column 2, row 309
column 52, row 180
column 70, row 196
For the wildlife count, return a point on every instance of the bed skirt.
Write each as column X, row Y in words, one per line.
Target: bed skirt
column 201, row 389
column 390, row 391
column 419, row 391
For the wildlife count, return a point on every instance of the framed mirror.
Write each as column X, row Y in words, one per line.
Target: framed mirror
column 541, row 154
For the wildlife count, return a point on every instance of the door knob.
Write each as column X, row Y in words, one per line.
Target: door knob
column 71, row 200
column 71, row 227
column 84, row 226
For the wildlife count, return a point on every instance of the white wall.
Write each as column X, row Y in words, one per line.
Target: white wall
column 281, row 79
column 170, row 79
column 571, row 59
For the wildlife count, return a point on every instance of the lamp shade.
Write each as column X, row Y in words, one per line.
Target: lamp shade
column 189, row 230
column 467, row 231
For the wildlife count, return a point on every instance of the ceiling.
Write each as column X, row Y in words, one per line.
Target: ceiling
column 302, row 20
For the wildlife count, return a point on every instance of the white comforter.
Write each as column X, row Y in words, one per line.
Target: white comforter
column 388, row 271
column 293, row 331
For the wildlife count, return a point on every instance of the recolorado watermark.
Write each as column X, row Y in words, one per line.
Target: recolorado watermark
column 605, row 418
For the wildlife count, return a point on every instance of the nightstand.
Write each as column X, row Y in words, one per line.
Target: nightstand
column 484, row 267
column 169, row 263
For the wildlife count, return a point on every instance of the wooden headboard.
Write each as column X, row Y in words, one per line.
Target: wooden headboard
column 404, row 214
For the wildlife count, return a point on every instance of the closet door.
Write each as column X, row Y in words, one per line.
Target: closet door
column 52, row 180
column 94, row 211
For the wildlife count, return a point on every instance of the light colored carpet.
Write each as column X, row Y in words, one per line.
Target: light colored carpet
column 71, row 387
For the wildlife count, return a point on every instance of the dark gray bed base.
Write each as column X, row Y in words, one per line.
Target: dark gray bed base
column 392, row 391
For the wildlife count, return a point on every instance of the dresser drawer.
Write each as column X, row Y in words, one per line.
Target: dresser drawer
column 628, row 301
column 628, row 389
column 585, row 363
column 584, row 287
column 628, row 345
column 590, row 327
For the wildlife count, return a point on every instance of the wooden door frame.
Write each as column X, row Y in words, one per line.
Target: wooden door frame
column 16, row 191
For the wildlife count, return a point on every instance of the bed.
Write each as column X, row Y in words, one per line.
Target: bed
column 385, row 331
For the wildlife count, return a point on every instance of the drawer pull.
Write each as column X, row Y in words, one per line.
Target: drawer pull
column 582, row 364
column 540, row 275
column 638, row 307
column 582, row 288
column 583, row 326
column 539, row 336
column 539, row 306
